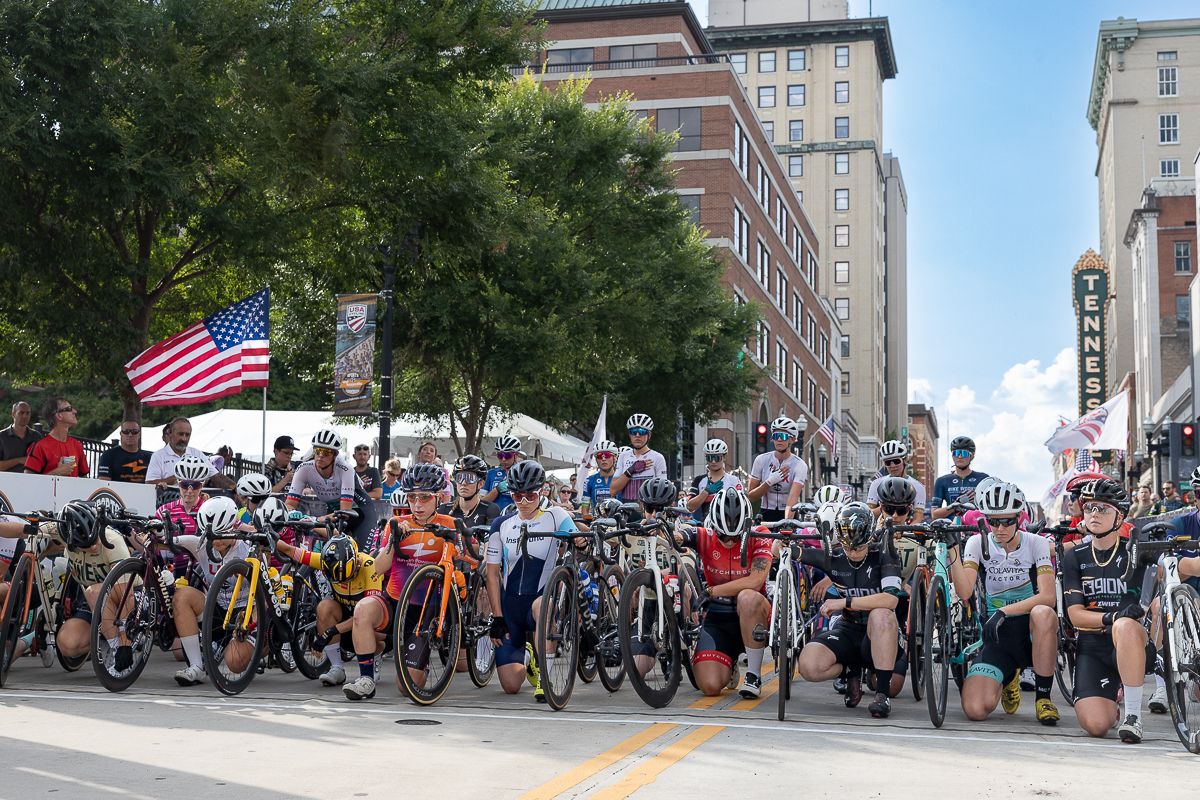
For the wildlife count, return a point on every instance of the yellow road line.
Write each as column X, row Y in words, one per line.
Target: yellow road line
column 648, row 771
column 592, row 766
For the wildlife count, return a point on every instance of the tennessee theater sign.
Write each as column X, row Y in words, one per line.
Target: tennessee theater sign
column 1089, row 281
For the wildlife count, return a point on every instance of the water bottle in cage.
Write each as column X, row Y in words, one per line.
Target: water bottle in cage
column 588, row 590
column 673, row 589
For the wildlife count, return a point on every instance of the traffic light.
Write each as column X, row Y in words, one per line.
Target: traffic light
column 1187, row 440
column 762, row 437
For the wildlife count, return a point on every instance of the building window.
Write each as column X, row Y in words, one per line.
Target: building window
column 797, row 377
column 841, row 92
column 796, row 244
column 797, row 60
column 824, row 405
column 1183, row 256
column 781, row 356
column 1169, row 168
column 738, row 60
column 1168, row 81
column 797, row 310
column 1183, row 310
column 1168, row 129
column 1168, row 55
column 795, row 166
column 841, row 163
column 781, row 290
column 844, row 348
column 766, row 61
column 741, row 233
column 769, row 128
column 563, row 60
column 796, row 130
column 634, row 53
column 766, row 97
column 810, row 331
column 841, row 272
column 692, row 203
column 764, row 265
column 841, row 199
column 823, row 352
column 741, row 150
column 841, row 127
column 841, row 235
column 814, row 271
column 841, row 56
column 812, row 395
column 684, row 120
column 796, row 94
column 764, row 340
column 845, row 383
column 764, row 186
column 841, row 306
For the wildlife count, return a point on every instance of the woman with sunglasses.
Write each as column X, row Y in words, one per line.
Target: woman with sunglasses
column 469, row 505
column 640, row 463
column 778, row 477
column 597, row 486
column 706, row 485
column 894, row 454
column 1022, row 626
column 393, row 471
column 495, row 487
column 190, row 473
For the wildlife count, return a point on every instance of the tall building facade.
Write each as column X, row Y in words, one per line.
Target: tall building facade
column 736, row 185
column 816, row 78
column 923, row 436
column 1144, row 106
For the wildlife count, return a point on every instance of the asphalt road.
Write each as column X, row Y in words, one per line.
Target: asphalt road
column 63, row 736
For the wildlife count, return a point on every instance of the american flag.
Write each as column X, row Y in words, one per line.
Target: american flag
column 1084, row 461
column 828, row 432
column 218, row 356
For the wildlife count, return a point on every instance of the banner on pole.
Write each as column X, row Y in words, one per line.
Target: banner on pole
column 355, row 356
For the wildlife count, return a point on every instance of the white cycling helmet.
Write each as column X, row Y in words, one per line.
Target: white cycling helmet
column 271, row 513
column 192, row 468
column 729, row 512
column 398, row 498
column 624, row 449
column 606, row 446
column 893, row 448
column 715, row 447
column 639, row 421
column 253, row 485
column 1196, row 477
column 786, row 424
column 1000, row 499
column 827, row 515
column 327, row 438
column 829, row 494
column 216, row 516
column 508, row 444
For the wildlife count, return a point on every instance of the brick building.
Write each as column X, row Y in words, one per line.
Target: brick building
column 734, row 182
column 923, row 438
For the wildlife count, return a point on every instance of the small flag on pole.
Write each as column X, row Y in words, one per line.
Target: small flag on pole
column 828, row 432
column 221, row 355
column 1084, row 461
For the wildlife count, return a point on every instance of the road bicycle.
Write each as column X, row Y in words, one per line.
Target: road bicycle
column 477, row 609
column 1068, row 640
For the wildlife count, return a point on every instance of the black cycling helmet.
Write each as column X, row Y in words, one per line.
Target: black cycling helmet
column 424, row 478
column 472, row 464
column 77, row 524
column 339, row 558
column 526, row 476
column 855, row 526
column 894, row 491
column 1106, row 490
column 962, row 443
column 658, row 493
column 608, row 507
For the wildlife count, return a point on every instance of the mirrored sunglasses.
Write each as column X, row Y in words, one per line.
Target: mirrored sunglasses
column 714, row 457
column 324, row 451
column 961, row 453
column 506, row 454
column 639, row 431
column 526, row 497
column 190, row 484
column 606, row 454
column 891, row 462
column 1002, row 522
column 1098, row 508
column 419, row 497
column 466, row 477
column 781, row 436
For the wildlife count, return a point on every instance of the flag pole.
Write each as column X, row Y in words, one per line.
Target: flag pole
column 263, row 451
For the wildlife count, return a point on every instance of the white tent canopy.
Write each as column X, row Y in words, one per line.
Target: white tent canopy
column 242, row 429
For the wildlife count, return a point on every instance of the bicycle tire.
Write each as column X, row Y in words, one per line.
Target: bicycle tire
column 15, row 610
column 124, row 580
column 666, row 642
column 1064, row 663
column 916, row 626
column 783, row 642
column 608, row 651
column 481, row 651
column 213, row 631
column 303, row 618
column 558, row 624
column 687, row 578
column 936, row 651
column 1183, row 685
column 423, row 589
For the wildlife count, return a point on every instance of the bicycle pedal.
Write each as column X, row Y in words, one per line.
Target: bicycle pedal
column 759, row 634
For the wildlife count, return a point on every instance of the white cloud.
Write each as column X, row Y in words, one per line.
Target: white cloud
column 1010, row 429
column 920, row 390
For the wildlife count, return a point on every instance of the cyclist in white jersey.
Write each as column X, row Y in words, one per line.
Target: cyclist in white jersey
column 778, row 477
column 331, row 478
column 894, row 455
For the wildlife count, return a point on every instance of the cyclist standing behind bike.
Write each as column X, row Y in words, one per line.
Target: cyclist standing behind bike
column 469, row 505
column 959, row 483
column 778, row 477
column 894, row 455
column 495, row 488
column 640, row 463
column 706, row 486
column 331, row 478
column 596, row 488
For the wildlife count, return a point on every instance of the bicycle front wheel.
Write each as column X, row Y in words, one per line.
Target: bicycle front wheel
column 128, row 609
column 558, row 636
column 231, row 645
column 1181, row 657
column 916, row 626
column 427, row 642
column 16, row 608
column 477, row 622
column 306, row 594
column 936, row 651
column 1064, row 666
column 784, row 605
column 608, row 650
column 649, row 640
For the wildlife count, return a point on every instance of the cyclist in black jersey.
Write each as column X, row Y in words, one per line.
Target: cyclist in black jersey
column 468, row 504
column 1114, row 651
column 866, row 633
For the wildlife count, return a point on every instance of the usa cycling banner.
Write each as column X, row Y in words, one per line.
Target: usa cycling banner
column 21, row 493
column 354, row 359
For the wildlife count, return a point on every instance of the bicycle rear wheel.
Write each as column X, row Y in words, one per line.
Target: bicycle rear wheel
column 427, row 642
column 1181, row 657
column 608, row 650
column 306, row 594
column 936, row 651
column 1064, row 666
column 128, row 607
column 784, row 604
column 558, row 636
column 16, row 609
column 916, row 626
column 477, row 623
column 233, row 649
column 649, row 646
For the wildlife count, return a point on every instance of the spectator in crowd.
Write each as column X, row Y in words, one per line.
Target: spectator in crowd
column 280, row 467
column 177, row 434
column 1171, row 501
column 17, row 439
column 565, row 496
column 393, row 471
column 225, row 453
column 427, row 453
column 371, row 480
column 1143, row 503
column 59, row 453
column 127, row 462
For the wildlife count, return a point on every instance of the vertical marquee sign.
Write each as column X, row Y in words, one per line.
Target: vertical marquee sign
column 355, row 357
column 1089, row 283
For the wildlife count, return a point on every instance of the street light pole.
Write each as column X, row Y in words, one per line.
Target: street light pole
column 384, row 449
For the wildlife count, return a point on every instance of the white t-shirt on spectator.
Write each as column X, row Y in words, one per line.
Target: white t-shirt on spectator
column 162, row 463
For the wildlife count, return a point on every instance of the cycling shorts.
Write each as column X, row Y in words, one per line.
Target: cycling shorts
column 720, row 636
column 1001, row 660
column 1096, row 673
column 518, row 615
column 851, row 647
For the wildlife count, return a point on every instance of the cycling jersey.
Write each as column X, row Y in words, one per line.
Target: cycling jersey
column 208, row 569
column 10, row 548
column 947, row 488
column 877, row 572
column 1009, row 577
column 795, row 471
column 527, row 576
column 483, row 514
column 495, row 476
column 873, row 492
column 653, row 466
column 365, row 582
column 722, row 562
column 1094, row 580
column 343, row 483
column 91, row 566
column 596, row 488
column 185, row 520
column 701, row 482
column 414, row 547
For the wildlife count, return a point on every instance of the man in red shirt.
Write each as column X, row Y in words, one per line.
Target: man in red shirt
column 59, row 453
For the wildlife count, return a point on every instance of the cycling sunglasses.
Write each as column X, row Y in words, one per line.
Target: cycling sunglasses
column 961, row 453
column 891, row 462
column 1098, row 508
column 897, row 509
column 714, row 457
column 506, row 454
column 1002, row 522
column 526, row 497
column 419, row 497
column 190, row 484
column 639, row 431
column 781, row 436
column 324, row 451
column 466, row 477
column 606, row 454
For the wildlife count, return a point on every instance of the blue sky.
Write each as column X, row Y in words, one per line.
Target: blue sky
column 987, row 116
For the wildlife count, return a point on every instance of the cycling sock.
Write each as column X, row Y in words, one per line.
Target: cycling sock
column 883, row 682
column 1159, row 683
column 754, row 659
column 191, row 650
column 334, row 653
column 1133, row 700
column 1042, row 684
column 366, row 666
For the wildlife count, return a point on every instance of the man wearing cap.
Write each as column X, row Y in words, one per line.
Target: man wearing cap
column 279, row 468
column 372, row 481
